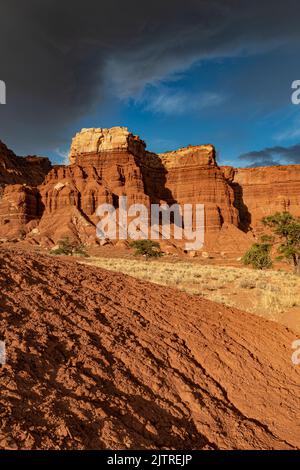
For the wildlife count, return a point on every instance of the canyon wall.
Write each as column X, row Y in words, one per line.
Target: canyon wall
column 20, row 201
column 108, row 163
column 43, row 204
column 29, row 170
column 263, row 191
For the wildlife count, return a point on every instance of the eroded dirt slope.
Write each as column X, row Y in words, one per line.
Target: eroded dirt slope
column 98, row 360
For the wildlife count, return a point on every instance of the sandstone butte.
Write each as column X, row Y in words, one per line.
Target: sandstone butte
column 42, row 203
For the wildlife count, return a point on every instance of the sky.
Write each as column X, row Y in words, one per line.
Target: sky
column 175, row 73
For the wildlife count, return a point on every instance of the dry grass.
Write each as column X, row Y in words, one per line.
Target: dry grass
column 267, row 293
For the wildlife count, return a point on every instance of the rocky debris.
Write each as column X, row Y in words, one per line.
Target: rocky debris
column 100, row 360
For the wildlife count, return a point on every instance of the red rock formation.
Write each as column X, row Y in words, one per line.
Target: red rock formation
column 29, row 170
column 20, row 201
column 263, row 191
column 193, row 176
column 109, row 163
column 20, row 207
column 101, row 170
column 106, row 164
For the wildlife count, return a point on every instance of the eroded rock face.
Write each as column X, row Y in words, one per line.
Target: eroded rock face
column 263, row 191
column 20, row 200
column 96, row 178
column 18, row 170
column 106, row 164
column 94, row 141
column 193, row 176
column 199, row 155
column 20, row 210
column 109, row 163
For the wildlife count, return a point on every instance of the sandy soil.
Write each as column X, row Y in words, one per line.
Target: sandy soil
column 99, row 360
column 274, row 295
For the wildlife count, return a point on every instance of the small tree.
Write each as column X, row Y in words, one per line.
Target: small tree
column 148, row 248
column 66, row 247
column 258, row 256
column 286, row 229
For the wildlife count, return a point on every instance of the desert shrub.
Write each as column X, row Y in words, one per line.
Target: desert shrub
column 148, row 248
column 258, row 256
column 80, row 250
column 66, row 247
column 247, row 284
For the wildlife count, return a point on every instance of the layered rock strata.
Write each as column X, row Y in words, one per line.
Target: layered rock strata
column 44, row 203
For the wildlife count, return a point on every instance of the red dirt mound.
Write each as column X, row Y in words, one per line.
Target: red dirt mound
column 100, row 360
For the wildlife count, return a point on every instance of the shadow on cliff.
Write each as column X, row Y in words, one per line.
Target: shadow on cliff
column 40, row 206
column 154, row 180
column 244, row 214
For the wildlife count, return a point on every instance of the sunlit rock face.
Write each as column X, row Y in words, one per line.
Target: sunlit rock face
column 44, row 203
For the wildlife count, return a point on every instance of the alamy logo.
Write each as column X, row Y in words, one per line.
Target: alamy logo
column 2, row 353
column 296, row 354
column 295, row 97
column 163, row 222
column 2, row 92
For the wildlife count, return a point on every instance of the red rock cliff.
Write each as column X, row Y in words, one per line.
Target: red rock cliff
column 263, row 191
column 105, row 164
column 108, row 163
column 20, row 201
column 29, row 170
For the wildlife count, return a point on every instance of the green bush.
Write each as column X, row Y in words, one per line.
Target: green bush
column 258, row 256
column 286, row 230
column 147, row 248
column 66, row 247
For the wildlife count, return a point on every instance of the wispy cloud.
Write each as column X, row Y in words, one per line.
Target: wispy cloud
column 117, row 49
column 64, row 156
column 163, row 100
column 293, row 132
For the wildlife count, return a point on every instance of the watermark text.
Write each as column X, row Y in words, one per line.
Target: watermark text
column 296, row 353
column 2, row 92
column 164, row 222
column 2, row 353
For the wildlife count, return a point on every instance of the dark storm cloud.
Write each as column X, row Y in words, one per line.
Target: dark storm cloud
column 272, row 156
column 61, row 59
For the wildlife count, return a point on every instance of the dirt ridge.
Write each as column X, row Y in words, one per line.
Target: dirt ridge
column 100, row 360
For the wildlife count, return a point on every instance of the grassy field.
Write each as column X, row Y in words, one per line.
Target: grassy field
column 272, row 294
